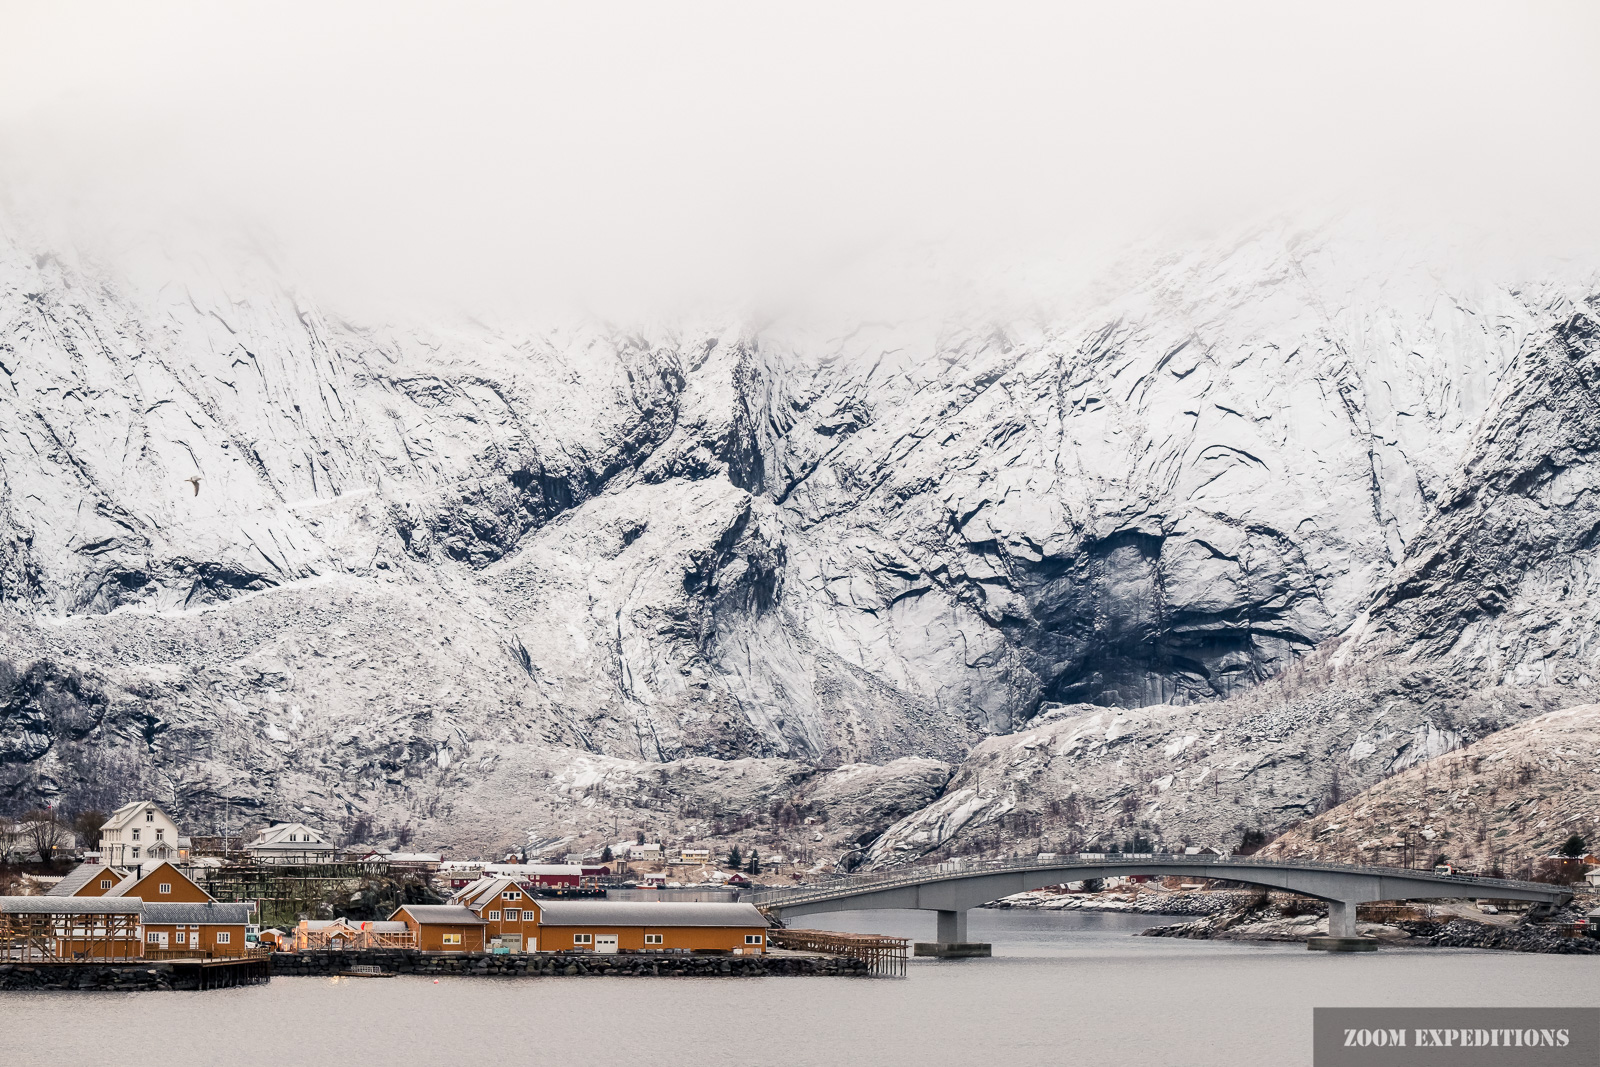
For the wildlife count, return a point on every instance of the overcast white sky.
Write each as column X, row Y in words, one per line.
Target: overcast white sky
column 631, row 154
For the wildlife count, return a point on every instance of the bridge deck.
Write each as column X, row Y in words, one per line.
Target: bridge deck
column 1229, row 868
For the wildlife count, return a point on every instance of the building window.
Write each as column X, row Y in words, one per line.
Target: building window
column 452, row 939
column 105, row 883
column 494, row 916
column 513, row 915
column 135, row 851
column 165, row 887
column 511, row 894
column 149, row 816
column 583, row 939
column 161, row 835
column 180, row 937
column 652, row 939
column 223, row 937
column 136, row 834
column 752, row 939
column 152, row 938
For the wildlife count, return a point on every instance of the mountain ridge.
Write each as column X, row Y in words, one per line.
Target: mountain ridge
column 422, row 575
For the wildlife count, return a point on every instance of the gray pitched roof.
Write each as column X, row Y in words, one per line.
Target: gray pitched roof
column 80, row 876
column 124, row 815
column 196, row 914
column 647, row 913
column 277, row 838
column 69, row 906
column 484, row 890
column 440, row 913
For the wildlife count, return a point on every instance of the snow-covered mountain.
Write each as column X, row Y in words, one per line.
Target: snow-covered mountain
column 491, row 585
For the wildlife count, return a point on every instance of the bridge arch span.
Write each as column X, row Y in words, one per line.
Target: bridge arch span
column 952, row 889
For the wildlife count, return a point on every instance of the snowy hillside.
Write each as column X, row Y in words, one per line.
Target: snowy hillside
column 492, row 586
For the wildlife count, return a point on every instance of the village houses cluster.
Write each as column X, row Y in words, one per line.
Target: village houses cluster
column 141, row 897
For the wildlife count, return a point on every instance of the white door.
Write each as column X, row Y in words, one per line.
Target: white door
column 605, row 943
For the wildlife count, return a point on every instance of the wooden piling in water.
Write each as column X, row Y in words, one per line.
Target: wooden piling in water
column 885, row 957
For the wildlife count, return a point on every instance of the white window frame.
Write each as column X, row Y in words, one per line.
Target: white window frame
column 164, row 887
column 136, row 833
column 583, row 939
column 513, row 915
column 135, row 851
column 511, row 894
column 752, row 939
column 224, row 937
column 181, row 937
column 152, row 938
column 653, row 939
column 450, row 939
column 494, row 916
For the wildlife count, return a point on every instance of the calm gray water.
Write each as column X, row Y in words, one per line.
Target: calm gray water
column 1061, row 988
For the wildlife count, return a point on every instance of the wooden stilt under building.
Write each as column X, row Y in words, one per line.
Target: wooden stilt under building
column 224, row 973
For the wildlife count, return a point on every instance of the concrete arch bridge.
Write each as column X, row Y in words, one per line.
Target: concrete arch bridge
column 951, row 888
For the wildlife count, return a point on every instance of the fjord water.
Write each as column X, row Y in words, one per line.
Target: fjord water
column 1061, row 988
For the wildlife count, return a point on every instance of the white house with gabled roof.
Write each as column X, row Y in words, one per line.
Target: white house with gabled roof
column 141, row 833
column 290, row 842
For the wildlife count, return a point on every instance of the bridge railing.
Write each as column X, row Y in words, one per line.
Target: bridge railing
column 849, row 884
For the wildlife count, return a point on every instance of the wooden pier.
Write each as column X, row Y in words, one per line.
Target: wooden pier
column 221, row 973
column 885, row 957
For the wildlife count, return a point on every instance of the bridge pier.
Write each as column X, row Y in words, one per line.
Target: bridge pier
column 1341, row 931
column 952, row 934
column 952, row 926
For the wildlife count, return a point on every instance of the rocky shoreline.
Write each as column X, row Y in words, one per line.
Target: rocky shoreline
column 1200, row 902
column 1243, row 915
column 1269, row 924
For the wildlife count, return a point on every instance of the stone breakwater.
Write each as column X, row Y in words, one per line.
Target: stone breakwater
column 1463, row 933
column 108, row 977
column 556, row 964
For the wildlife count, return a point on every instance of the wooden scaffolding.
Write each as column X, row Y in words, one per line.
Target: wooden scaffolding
column 350, row 935
column 66, row 930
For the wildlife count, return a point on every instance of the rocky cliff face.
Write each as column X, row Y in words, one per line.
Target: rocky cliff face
column 1499, row 804
column 1499, row 583
column 254, row 558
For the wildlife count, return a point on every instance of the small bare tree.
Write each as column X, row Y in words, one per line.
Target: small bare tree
column 44, row 833
column 87, row 825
